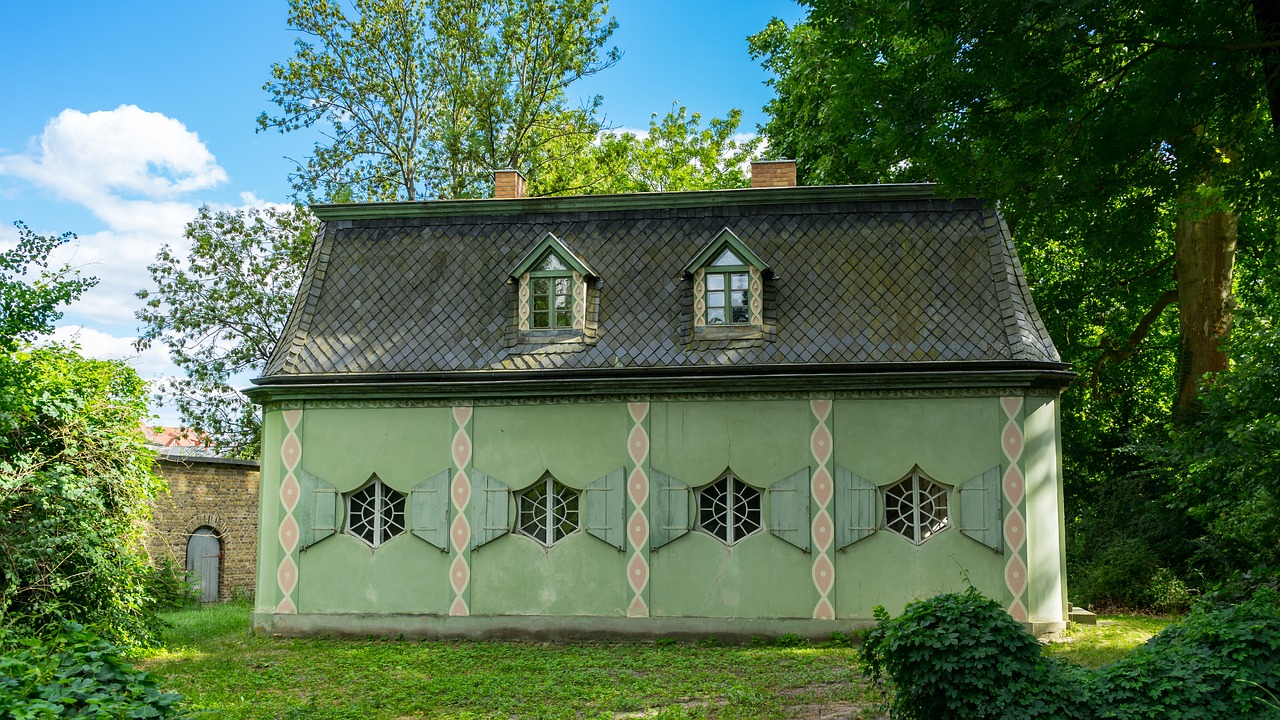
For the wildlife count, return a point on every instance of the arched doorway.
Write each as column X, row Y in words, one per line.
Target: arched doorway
column 204, row 558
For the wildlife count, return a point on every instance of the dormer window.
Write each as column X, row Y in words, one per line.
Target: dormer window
column 728, row 289
column 551, row 295
column 554, row 285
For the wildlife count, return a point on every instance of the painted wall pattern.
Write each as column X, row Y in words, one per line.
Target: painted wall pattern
column 460, row 497
column 638, row 520
column 1013, row 483
column 523, row 302
column 822, row 489
column 757, row 296
column 699, row 298
column 288, row 534
column 579, row 301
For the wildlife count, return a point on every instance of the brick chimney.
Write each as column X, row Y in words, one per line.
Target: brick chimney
column 773, row 173
column 509, row 184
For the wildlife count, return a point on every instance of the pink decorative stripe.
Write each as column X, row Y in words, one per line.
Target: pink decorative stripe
column 638, row 523
column 462, row 415
column 821, row 491
column 460, row 528
column 288, row 533
column 822, row 531
column 460, row 532
column 1015, row 530
column 290, row 494
column 461, row 490
column 461, row 448
column 1014, row 488
column 1013, row 485
column 459, row 608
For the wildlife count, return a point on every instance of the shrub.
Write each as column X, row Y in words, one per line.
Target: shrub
column 77, row 674
column 75, row 488
column 170, row 588
column 961, row 656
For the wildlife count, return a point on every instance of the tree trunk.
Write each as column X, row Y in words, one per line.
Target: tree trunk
column 1205, row 250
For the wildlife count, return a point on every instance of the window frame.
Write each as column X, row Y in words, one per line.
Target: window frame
column 553, row 312
column 920, row 532
column 730, row 521
column 727, row 272
column 553, row 530
column 380, row 522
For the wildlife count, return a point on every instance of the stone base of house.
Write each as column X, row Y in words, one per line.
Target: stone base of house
column 566, row 628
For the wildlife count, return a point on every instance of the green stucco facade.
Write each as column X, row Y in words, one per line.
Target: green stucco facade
column 514, row 584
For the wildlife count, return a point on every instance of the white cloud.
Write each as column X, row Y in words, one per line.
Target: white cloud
column 99, row 159
column 150, row 363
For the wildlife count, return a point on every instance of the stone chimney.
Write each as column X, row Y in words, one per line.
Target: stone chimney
column 773, row 173
column 509, row 184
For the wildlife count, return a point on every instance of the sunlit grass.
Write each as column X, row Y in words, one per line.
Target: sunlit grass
column 211, row 657
column 1114, row 637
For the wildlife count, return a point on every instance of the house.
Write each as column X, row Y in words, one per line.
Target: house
column 731, row 413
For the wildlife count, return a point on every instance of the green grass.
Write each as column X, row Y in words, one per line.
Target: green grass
column 210, row 657
column 1114, row 637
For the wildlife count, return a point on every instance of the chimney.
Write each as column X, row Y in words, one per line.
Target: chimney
column 509, row 184
column 773, row 173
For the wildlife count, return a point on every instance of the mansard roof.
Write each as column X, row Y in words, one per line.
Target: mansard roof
column 886, row 275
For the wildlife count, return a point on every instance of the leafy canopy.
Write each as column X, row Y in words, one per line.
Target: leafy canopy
column 220, row 308
column 30, row 307
column 425, row 98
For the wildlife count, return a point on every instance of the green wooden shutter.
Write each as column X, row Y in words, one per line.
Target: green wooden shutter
column 670, row 509
column 317, row 511
column 982, row 509
column 606, row 509
column 789, row 509
column 429, row 510
column 856, row 505
column 491, row 511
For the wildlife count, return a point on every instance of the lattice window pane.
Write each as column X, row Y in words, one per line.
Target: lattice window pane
column 375, row 513
column 729, row 509
column 915, row 507
column 547, row 511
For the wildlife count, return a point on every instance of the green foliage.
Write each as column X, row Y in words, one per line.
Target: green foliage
column 28, row 307
column 170, row 588
column 961, row 656
column 676, row 154
column 75, row 490
column 77, row 674
column 220, row 309
column 424, row 98
column 1227, row 462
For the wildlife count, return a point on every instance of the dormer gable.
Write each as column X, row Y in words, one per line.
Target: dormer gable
column 728, row 289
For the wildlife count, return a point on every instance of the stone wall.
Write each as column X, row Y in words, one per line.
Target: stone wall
column 219, row 493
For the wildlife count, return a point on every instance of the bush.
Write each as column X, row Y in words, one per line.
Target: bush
column 961, row 656
column 76, row 485
column 77, row 674
column 170, row 588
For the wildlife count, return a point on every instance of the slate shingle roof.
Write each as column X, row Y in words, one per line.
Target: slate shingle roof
column 894, row 275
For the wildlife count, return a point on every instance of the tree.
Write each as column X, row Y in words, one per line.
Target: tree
column 28, row 309
column 1125, row 130
column 220, row 309
column 425, row 98
column 75, row 473
column 676, row 154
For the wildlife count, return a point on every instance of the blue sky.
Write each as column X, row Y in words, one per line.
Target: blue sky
column 123, row 118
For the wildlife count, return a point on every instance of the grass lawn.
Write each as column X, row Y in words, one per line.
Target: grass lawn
column 210, row 656
column 1111, row 639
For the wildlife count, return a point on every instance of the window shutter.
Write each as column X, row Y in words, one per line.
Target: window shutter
column 856, row 505
column 670, row 508
column 789, row 509
column 982, row 509
column 607, row 508
column 317, row 511
column 491, row 516
column 429, row 510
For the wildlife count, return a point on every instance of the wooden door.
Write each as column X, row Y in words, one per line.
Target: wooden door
column 204, row 557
